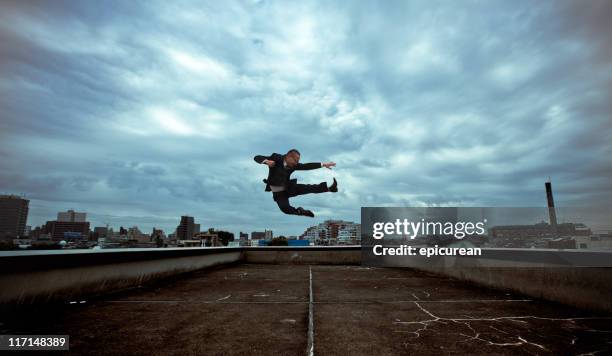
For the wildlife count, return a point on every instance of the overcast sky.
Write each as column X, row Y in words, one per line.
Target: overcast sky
column 138, row 113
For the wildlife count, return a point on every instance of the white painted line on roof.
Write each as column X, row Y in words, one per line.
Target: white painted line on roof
column 310, row 349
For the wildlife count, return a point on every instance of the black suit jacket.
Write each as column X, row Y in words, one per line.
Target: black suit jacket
column 279, row 175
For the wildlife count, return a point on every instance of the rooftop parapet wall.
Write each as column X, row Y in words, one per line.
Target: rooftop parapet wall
column 315, row 255
column 39, row 276
column 581, row 279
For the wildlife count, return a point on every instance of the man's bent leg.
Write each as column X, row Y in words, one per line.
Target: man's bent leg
column 282, row 199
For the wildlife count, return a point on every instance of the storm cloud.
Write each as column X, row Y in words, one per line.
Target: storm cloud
column 139, row 112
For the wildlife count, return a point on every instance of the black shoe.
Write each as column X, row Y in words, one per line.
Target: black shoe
column 302, row 211
column 334, row 186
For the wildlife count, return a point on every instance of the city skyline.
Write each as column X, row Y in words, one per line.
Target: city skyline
column 181, row 231
column 139, row 113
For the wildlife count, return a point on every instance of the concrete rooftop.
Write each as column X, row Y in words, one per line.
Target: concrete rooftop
column 262, row 309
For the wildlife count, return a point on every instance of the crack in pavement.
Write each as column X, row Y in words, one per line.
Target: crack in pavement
column 426, row 325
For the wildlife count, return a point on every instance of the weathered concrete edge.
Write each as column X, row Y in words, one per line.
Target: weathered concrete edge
column 88, row 273
column 21, row 261
column 28, row 277
column 582, row 287
column 332, row 255
column 36, row 286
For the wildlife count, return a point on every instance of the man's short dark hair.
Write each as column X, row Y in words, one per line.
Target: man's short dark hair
column 293, row 150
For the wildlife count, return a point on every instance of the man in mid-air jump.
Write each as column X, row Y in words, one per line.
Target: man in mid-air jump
column 283, row 188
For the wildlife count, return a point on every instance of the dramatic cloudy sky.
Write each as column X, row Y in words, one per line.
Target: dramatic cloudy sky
column 139, row 112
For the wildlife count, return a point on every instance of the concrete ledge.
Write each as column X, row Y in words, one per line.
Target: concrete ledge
column 41, row 276
column 570, row 277
column 44, row 276
column 586, row 288
column 328, row 255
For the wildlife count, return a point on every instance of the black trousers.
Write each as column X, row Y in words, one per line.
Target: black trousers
column 282, row 198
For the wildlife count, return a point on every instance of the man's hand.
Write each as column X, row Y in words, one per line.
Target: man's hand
column 269, row 163
column 328, row 165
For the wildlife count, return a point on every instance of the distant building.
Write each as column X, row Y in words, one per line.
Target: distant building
column 135, row 234
column 562, row 243
column 208, row 239
column 258, row 235
column 542, row 229
column 66, row 230
column 100, row 232
column 544, row 235
column 244, row 236
column 333, row 232
column 13, row 216
column 541, row 235
column 268, row 234
column 349, row 234
column 37, row 233
column 71, row 216
column 158, row 233
column 594, row 242
column 186, row 228
column 311, row 234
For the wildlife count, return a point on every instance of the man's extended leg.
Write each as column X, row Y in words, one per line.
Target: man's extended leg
column 300, row 189
column 282, row 199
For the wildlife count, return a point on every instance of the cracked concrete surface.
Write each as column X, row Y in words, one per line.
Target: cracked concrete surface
column 264, row 309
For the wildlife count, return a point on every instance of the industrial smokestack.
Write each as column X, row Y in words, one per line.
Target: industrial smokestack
column 551, row 204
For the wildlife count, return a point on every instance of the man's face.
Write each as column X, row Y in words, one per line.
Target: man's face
column 292, row 160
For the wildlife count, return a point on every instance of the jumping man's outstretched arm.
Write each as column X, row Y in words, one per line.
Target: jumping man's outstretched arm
column 308, row 166
column 260, row 158
column 270, row 161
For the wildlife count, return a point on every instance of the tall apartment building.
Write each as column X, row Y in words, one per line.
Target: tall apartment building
column 186, row 228
column 13, row 215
